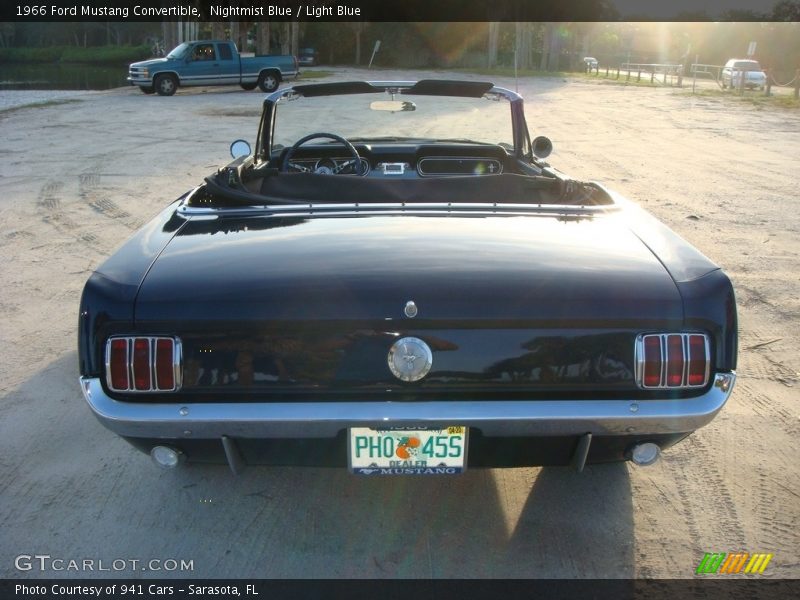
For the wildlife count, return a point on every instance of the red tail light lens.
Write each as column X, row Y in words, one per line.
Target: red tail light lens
column 698, row 360
column 674, row 360
column 118, row 364
column 652, row 361
column 143, row 364
column 165, row 364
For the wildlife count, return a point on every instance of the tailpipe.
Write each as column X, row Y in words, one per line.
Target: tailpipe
column 167, row 457
column 644, row 454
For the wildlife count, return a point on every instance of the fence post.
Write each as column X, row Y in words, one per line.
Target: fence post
column 606, row 70
column 652, row 75
column 680, row 76
column 741, row 81
column 639, row 76
column 768, row 87
column 797, row 84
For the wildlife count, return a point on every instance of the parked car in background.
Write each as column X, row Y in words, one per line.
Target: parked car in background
column 736, row 68
column 590, row 63
column 210, row 62
column 308, row 57
column 417, row 293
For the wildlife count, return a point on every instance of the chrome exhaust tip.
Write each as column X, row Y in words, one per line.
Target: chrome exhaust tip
column 645, row 454
column 166, row 457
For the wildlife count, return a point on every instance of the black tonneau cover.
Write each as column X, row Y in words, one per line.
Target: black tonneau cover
column 312, row 188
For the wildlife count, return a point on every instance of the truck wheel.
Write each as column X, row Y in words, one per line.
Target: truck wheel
column 166, row 84
column 268, row 81
column 147, row 89
column 248, row 86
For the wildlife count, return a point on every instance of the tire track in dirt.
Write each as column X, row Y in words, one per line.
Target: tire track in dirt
column 52, row 213
column 769, row 490
column 48, row 196
column 778, row 528
column 91, row 193
column 702, row 464
column 16, row 234
column 654, row 561
column 767, row 408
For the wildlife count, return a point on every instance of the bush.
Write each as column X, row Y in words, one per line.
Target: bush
column 77, row 54
column 51, row 54
column 105, row 54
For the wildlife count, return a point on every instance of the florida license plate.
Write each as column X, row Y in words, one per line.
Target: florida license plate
column 439, row 451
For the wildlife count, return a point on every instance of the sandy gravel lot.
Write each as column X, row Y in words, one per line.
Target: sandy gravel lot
column 78, row 178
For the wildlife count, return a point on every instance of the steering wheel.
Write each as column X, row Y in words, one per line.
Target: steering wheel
column 287, row 159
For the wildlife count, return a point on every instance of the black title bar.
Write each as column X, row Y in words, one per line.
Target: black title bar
column 385, row 10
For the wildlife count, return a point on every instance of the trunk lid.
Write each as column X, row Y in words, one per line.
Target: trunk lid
column 302, row 304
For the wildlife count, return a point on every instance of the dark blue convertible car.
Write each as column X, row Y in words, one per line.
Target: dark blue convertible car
column 394, row 280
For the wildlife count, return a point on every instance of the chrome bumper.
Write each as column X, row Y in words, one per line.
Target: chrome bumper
column 503, row 418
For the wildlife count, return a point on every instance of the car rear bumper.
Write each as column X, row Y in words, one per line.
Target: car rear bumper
column 495, row 418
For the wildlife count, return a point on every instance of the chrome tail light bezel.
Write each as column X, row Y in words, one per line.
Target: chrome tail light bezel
column 687, row 358
column 177, row 364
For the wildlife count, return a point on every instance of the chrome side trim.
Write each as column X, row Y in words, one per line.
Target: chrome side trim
column 450, row 208
column 423, row 173
column 503, row 418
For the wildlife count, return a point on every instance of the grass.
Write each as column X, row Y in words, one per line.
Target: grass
column 43, row 104
column 755, row 98
column 612, row 80
column 509, row 72
column 314, row 74
column 74, row 54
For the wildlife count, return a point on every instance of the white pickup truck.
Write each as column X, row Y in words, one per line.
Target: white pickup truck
column 735, row 68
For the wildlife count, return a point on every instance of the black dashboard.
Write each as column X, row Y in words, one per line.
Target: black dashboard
column 400, row 161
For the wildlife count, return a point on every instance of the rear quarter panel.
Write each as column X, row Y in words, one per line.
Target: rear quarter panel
column 109, row 296
column 709, row 302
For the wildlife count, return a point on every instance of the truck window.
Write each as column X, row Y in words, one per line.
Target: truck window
column 203, row 52
column 224, row 51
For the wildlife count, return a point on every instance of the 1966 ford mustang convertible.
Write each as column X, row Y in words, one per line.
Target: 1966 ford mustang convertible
column 394, row 280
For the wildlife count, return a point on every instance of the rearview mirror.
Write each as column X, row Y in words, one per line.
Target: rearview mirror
column 240, row 148
column 542, row 146
column 393, row 105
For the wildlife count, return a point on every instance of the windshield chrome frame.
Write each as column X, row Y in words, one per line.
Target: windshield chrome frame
column 520, row 135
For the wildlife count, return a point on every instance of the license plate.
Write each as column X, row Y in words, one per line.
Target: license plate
column 431, row 451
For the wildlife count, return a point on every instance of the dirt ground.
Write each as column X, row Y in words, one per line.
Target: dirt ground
column 79, row 178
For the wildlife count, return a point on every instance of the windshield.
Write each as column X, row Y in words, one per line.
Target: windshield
column 178, row 51
column 427, row 118
column 750, row 65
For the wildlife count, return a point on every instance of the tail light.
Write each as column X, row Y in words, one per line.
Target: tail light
column 672, row 360
column 143, row 364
